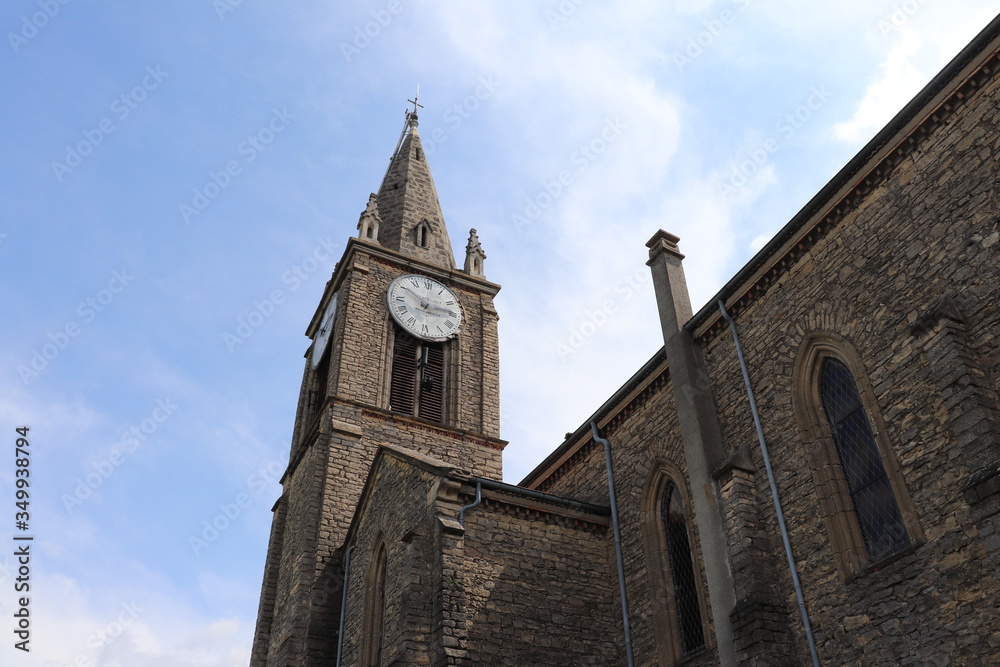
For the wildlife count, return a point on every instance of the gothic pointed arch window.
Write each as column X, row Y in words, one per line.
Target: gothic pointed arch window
column 423, row 233
column 678, row 604
column 373, row 623
column 866, row 506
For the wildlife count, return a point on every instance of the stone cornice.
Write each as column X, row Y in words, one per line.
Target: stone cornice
column 415, row 423
column 532, row 508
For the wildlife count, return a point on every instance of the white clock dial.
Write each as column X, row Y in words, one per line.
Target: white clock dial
column 325, row 329
column 424, row 307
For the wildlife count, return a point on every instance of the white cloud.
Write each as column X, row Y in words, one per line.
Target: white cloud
column 922, row 38
column 899, row 79
column 130, row 627
column 612, row 131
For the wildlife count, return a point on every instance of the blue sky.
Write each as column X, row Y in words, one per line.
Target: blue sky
column 180, row 178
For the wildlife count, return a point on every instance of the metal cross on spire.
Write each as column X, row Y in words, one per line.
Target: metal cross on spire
column 415, row 103
column 411, row 122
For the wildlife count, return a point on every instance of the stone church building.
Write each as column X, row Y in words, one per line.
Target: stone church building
column 807, row 472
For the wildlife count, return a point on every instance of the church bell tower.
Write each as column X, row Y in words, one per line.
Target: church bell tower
column 403, row 352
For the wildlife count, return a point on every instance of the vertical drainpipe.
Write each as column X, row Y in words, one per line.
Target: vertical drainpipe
column 701, row 433
column 474, row 503
column 618, row 545
column 803, row 612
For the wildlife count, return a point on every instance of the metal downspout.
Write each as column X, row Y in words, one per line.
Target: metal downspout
column 343, row 604
column 479, row 499
column 618, row 545
column 803, row 612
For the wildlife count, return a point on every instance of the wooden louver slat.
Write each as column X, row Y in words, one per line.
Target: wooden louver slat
column 402, row 390
column 432, row 383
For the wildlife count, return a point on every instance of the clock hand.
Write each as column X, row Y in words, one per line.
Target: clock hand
column 441, row 310
column 423, row 302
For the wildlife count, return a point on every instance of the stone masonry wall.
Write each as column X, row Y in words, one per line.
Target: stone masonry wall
column 538, row 591
column 927, row 232
column 297, row 560
column 644, row 437
column 265, row 611
column 402, row 519
column 349, row 454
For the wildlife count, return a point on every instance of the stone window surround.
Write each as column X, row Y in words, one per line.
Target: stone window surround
column 666, row 625
column 452, row 381
column 373, row 620
column 828, row 476
column 422, row 233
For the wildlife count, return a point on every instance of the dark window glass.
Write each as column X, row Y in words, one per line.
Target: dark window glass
column 875, row 504
column 682, row 570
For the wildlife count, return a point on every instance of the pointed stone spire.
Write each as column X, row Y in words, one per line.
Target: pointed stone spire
column 474, row 255
column 411, row 218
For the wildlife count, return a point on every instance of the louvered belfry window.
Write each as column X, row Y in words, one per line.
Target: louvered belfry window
column 875, row 506
column 417, row 385
column 682, row 570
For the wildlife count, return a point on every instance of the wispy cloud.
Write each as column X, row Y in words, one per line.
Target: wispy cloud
column 898, row 81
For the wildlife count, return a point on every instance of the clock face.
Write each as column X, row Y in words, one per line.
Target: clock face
column 424, row 307
column 325, row 329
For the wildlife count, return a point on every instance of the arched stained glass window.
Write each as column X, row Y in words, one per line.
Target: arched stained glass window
column 681, row 569
column 882, row 527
